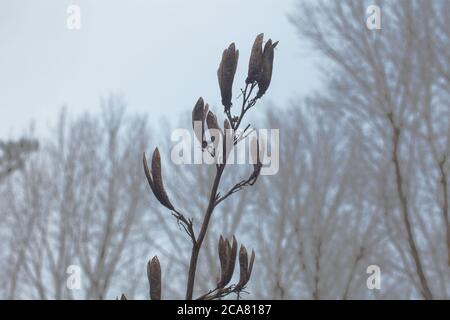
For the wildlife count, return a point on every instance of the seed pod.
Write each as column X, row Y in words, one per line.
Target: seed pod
column 227, row 256
column 211, row 121
column 243, row 264
column 231, row 261
column 226, row 72
column 250, row 266
column 123, row 297
column 154, row 178
column 255, row 63
column 222, row 249
column 266, row 68
column 198, row 116
column 148, row 174
column 154, row 278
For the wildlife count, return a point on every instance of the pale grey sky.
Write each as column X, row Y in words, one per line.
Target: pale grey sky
column 160, row 54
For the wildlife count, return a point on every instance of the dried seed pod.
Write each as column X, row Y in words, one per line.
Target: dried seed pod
column 243, row 264
column 250, row 266
column 223, row 260
column 148, row 174
column 255, row 63
column 227, row 256
column 266, row 68
column 154, row 278
column 231, row 261
column 226, row 72
column 154, row 178
column 211, row 121
column 158, row 181
column 198, row 116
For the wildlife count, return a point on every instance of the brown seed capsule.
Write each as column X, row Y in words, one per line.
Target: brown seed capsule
column 255, row 63
column 250, row 266
column 154, row 278
column 231, row 261
column 148, row 174
column 227, row 256
column 222, row 249
column 154, row 178
column 243, row 264
column 158, row 181
column 211, row 121
column 198, row 117
column 266, row 68
column 216, row 136
column 226, row 72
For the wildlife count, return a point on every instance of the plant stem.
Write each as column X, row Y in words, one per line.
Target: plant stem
column 201, row 236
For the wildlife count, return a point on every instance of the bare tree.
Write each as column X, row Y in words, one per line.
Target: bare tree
column 389, row 84
column 79, row 202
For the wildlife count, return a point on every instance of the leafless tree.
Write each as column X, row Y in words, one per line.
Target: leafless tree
column 79, row 201
column 391, row 83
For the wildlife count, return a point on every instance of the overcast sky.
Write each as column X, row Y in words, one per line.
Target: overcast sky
column 160, row 54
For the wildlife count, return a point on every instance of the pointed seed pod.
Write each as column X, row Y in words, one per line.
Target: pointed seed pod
column 211, row 121
column 250, row 266
column 198, row 116
column 226, row 72
column 222, row 249
column 255, row 63
column 227, row 247
column 266, row 68
column 243, row 264
column 155, row 181
column 154, row 278
column 231, row 261
column 148, row 174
